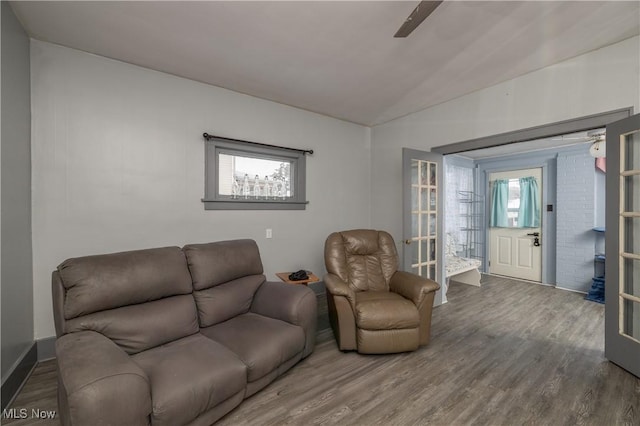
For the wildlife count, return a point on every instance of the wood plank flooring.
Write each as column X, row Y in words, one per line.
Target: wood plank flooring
column 507, row 353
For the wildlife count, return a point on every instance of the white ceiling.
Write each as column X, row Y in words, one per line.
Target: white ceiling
column 337, row 58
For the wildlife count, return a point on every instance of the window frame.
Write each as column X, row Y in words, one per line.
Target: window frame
column 213, row 200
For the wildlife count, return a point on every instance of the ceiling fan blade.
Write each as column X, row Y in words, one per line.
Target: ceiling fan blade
column 419, row 14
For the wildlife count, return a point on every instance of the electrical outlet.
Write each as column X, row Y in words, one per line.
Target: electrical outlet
column 269, row 233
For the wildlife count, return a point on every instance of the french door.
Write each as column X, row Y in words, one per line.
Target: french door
column 423, row 237
column 622, row 283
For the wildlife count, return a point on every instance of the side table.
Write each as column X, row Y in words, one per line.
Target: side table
column 284, row 276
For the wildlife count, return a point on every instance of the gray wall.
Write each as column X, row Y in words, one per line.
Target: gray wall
column 16, row 271
column 598, row 81
column 118, row 164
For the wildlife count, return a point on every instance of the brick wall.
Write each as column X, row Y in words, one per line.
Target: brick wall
column 575, row 216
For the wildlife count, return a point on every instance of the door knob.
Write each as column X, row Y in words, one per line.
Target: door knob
column 407, row 242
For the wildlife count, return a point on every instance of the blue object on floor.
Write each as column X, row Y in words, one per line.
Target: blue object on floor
column 596, row 294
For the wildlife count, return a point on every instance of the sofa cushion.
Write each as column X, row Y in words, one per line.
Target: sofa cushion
column 262, row 343
column 189, row 377
column 225, row 277
column 216, row 263
column 98, row 283
column 224, row 301
column 383, row 310
column 140, row 327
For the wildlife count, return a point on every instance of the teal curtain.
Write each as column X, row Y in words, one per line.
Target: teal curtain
column 499, row 198
column 529, row 212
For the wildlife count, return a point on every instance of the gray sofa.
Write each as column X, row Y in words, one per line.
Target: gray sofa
column 172, row 336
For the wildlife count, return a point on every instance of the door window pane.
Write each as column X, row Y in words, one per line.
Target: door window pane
column 513, row 203
column 432, row 249
column 630, row 275
column 424, row 194
column 424, row 251
column 414, row 199
column 631, row 187
column 432, row 272
column 631, row 235
column 631, row 151
column 631, row 318
column 424, row 173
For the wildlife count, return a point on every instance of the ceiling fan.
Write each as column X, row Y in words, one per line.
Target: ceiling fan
column 419, row 14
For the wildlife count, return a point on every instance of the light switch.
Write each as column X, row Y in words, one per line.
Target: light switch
column 269, row 233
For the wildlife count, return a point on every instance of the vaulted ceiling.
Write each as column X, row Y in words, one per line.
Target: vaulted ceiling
column 337, row 58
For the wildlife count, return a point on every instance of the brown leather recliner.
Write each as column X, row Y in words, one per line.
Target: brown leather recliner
column 373, row 307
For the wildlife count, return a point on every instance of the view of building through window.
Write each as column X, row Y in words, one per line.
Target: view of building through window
column 243, row 177
column 513, row 203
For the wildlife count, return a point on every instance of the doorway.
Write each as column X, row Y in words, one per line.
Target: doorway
column 515, row 225
column 572, row 203
column 622, row 341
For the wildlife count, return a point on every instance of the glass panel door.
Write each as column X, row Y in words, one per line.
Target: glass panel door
column 422, row 213
column 622, row 283
column 629, row 280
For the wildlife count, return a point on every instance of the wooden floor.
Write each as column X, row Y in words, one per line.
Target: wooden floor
column 507, row 353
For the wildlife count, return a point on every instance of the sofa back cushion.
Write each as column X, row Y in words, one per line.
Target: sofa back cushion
column 225, row 276
column 366, row 259
column 138, row 299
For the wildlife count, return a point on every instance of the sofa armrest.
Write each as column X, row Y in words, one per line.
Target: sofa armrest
column 412, row 286
column 295, row 304
column 100, row 383
column 337, row 287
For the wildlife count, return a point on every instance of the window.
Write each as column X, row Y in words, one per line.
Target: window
column 243, row 175
column 513, row 203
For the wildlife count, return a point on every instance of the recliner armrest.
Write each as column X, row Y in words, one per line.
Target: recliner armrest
column 101, row 383
column 412, row 286
column 337, row 287
column 295, row 304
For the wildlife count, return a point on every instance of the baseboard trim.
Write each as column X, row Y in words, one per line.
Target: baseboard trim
column 571, row 290
column 19, row 375
column 46, row 348
column 324, row 335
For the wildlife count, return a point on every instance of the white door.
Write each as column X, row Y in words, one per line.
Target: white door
column 515, row 251
column 622, row 286
column 422, row 216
